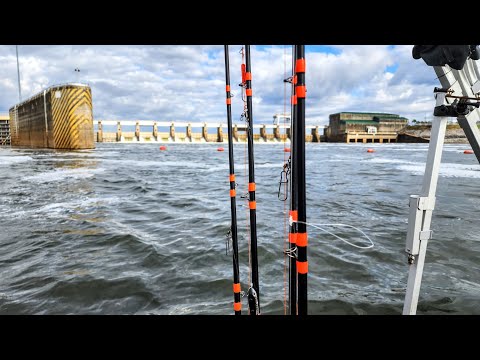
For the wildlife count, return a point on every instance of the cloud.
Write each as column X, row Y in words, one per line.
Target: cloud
column 187, row 83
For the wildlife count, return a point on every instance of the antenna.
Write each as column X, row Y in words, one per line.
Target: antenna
column 18, row 74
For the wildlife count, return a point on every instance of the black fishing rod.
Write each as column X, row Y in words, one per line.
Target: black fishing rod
column 302, row 263
column 254, row 290
column 292, row 236
column 237, row 304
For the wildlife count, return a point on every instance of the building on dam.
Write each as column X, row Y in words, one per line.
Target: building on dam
column 59, row 117
column 364, row 127
column 4, row 130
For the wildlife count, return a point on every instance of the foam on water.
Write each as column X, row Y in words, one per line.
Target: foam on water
column 63, row 174
column 6, row 160
column 446, row 170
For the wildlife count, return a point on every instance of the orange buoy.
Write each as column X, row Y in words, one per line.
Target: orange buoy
column 220, row 149
column 468, row 152
column 370, row 150
column 286, row 150
column 163, row 147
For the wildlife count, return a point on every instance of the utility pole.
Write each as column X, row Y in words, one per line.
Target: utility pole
column 18, row 75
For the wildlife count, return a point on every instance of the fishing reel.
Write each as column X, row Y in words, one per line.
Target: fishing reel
column 253, row 307
column 461, row 106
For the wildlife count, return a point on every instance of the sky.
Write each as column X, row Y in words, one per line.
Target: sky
column 187, row 82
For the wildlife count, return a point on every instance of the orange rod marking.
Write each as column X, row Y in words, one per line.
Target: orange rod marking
column 302, row 239
column 292, row 238
column 302, row 267
column 233, row 193
column 300, row 66
column 294, row 215
column 249, row 92
column 301, row 91
column 237, row 306
column 251, row 187
column 236, row 287
column 252, row 205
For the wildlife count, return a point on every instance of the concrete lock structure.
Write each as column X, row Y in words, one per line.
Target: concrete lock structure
column 59, row 117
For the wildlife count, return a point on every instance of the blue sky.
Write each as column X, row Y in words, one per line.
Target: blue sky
column 187, row 83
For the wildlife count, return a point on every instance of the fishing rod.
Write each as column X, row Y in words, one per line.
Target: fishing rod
column 254, row 290
column 237, row 304
column 302, row 263
column 292, row 236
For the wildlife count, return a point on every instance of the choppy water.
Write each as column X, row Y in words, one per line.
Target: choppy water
column 129, row 229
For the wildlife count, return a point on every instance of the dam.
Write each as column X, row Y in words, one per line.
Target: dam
column 59, row 117
column 146, row 131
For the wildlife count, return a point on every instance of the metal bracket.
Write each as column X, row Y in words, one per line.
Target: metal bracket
column 415, row 234
column 426, row 203
column 425, row 235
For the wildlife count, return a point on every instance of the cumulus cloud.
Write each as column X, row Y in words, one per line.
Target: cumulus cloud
column 186, row 83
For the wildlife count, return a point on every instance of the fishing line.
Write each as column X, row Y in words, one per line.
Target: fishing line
column 318, row 226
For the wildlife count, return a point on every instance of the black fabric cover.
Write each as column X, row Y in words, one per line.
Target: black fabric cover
column 439, row 55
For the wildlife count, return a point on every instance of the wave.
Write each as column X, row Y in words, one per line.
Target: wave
column 446, row 170
column 63, row 174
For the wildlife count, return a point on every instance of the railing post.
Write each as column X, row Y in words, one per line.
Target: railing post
column 276, row 133
column 263, row 133
column 235, row 132
column 172, row 131
column 315, row 135
column 219, row 134
column 155, row 131
column 188, row 133
column 100, row 132
column 205, row 132
column 137, row 131
column 119, row 131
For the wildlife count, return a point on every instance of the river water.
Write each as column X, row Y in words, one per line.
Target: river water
column 129, row 229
